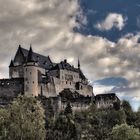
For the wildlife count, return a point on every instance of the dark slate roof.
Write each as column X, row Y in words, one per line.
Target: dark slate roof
column 11, row 64
column 30, row 57
column 43, row 61
column 108, row 96
column 64, row 65
column 82, row 76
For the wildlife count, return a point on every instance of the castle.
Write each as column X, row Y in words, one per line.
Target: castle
column 36, row 75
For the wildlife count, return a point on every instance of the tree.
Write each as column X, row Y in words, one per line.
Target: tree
column 125, row 132
column 126, row 106
column 68, row 109
column 63, row 129
column 4, row 122
column 116, row 105
column 137, row 122
column 25, row 120
column 130, row 115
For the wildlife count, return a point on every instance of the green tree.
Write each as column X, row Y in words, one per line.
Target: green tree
column 63, row 129
column 137, row 122
column 4, row 123
column 126, row 106
column 25, row 120
column 68, row 109
column 125, row 132
column 130, row 115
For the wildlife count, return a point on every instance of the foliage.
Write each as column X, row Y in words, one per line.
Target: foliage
column 130, row 115
column 68, row 109
column 125, row 132
column 63, row 128
column 22, row 120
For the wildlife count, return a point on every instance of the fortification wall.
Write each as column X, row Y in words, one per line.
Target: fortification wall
column 16, row 72
column 10, row 88
column 47, row 90
column 75, row 106
column 69, row 76
column 85, row 90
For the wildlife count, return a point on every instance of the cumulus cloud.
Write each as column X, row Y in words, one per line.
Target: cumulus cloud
column 112, row 20
column 48, row 26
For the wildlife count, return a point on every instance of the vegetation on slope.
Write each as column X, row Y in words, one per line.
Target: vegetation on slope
column 24, row 119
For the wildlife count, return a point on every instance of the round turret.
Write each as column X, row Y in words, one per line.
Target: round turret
column 31, row 76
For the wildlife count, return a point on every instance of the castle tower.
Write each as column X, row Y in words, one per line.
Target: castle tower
column 10, row 67
column 16, row 65
column 31, row 75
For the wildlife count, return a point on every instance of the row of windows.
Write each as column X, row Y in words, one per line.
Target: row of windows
column 68, row 82
column 29, row 82
column 76, row 105
column 69, row 77
column 7, row 83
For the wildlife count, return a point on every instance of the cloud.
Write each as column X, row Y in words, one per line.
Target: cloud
column 112, row 20
column 49, row 29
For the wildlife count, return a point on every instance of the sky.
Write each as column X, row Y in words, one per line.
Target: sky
column 105, row 35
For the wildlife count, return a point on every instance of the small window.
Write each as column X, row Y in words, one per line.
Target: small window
column 30, row 73
column 66, row 82
column 33, row 82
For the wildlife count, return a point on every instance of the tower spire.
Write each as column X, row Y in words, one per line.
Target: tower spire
column 78, row 63
column 11, row 64
column 30, row 57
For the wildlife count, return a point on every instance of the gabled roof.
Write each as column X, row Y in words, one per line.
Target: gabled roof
column 43, row 61
column 64, row 65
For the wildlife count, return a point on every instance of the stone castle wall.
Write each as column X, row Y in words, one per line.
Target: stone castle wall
column 10, row 88
column 31, row 79
column 85, row 90
column 48, row 89
column 16, row 72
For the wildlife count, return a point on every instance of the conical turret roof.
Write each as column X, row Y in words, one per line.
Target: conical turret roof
column 30, row 57
column 11, row 64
